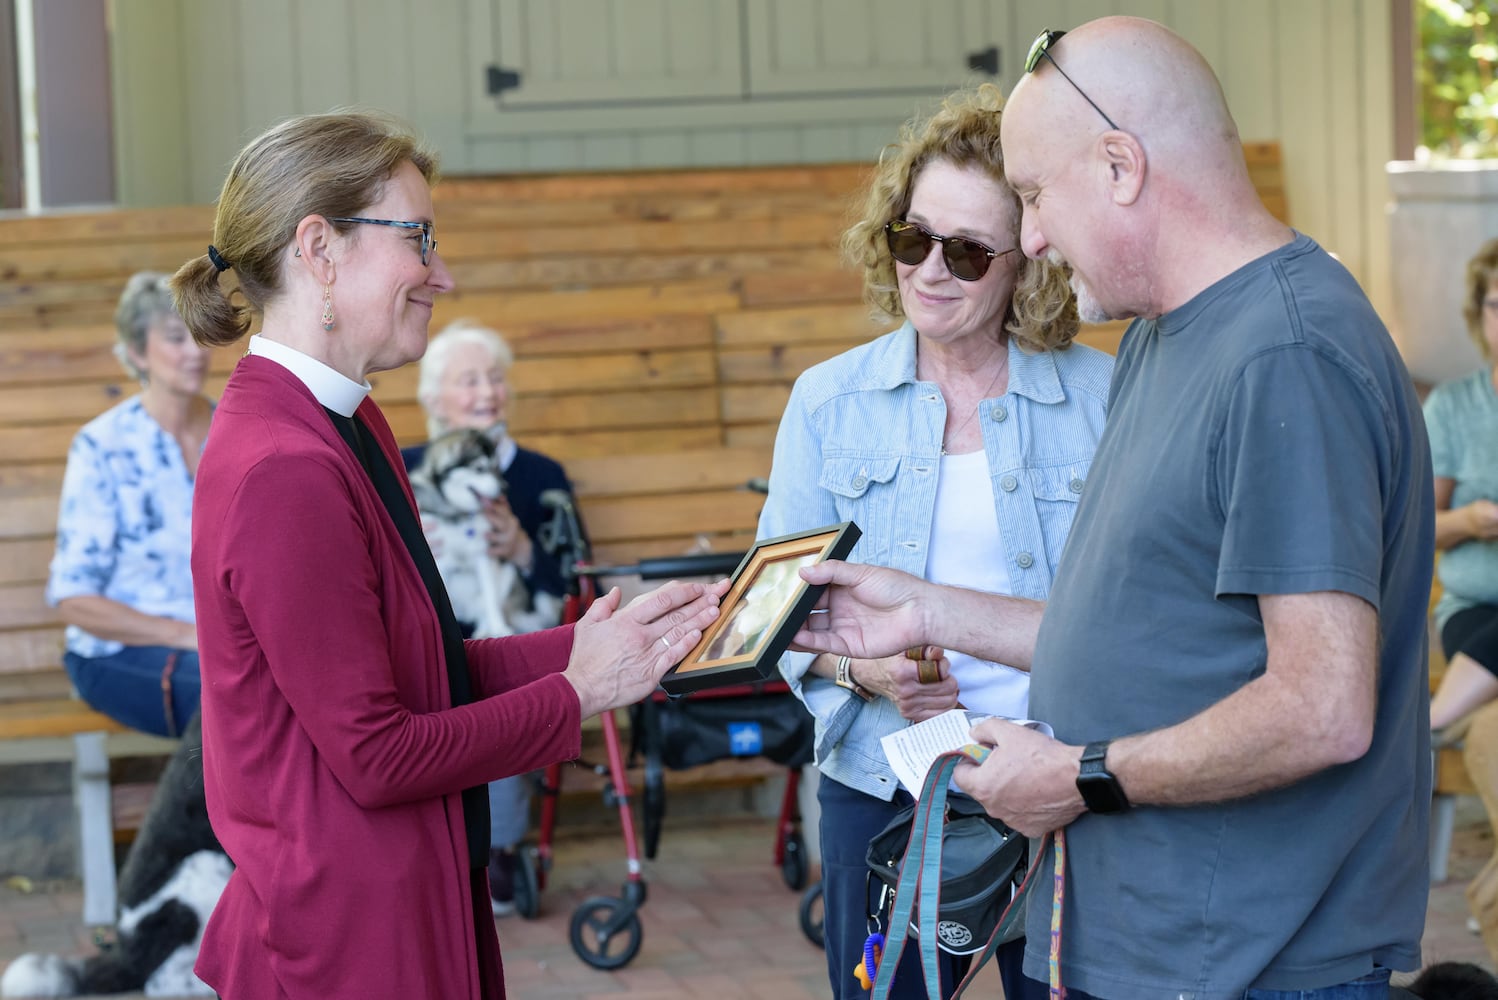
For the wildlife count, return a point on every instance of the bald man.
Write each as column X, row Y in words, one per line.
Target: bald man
column 1233, row 655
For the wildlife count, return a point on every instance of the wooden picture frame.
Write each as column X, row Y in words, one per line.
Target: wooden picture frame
column 764, row 606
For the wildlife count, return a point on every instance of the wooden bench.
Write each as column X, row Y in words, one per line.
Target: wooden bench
column 659, row 319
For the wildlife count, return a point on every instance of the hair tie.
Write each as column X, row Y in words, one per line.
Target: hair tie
column 218, row 260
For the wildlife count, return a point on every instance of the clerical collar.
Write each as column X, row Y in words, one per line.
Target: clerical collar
column 331, row 388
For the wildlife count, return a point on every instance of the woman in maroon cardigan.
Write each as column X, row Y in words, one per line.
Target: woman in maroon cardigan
column 348, row 729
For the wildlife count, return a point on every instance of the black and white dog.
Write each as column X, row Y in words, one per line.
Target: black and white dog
column 171, row 881
column 457, row 476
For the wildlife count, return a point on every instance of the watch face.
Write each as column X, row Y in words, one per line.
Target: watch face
column 1100, row 790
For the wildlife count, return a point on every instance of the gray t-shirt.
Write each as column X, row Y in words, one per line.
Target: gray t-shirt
column 1462, row 417
column 1264, row 438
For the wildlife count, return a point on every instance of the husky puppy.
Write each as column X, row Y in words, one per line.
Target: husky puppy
column 457, row 476
column 171, row 881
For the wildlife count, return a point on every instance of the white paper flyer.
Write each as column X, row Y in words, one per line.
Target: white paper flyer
column 912, row 750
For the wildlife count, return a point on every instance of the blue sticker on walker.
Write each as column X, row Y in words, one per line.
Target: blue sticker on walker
column 745, row 739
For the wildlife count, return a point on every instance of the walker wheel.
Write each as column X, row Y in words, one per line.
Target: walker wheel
column 605, row 932
column 812, row 915
column 793, row 864
column 527, row 882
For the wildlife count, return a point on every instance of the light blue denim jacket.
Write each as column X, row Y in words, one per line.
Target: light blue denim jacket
column 861, row 439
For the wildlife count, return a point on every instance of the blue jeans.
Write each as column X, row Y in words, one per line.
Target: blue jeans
column 1374, row 986
column 136, row 688
column 850, row 819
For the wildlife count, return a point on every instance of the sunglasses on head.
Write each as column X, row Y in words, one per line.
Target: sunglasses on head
column 910, row 243
column 1041, row 49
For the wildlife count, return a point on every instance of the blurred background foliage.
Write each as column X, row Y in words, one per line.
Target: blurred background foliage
column 1455, row 74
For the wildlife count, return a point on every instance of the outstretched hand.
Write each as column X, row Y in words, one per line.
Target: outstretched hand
column 866, row 612
column 620, row 654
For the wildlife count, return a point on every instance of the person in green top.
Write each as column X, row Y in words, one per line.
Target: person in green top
column 1462, row 417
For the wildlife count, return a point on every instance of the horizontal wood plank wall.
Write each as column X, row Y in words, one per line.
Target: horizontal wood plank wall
column 658, row 319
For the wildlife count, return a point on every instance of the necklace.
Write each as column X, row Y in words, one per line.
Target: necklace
column 974, row 412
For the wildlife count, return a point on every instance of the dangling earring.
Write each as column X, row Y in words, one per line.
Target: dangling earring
column 327, row 307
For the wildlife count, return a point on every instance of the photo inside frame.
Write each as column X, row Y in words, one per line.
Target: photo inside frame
column 763, row 593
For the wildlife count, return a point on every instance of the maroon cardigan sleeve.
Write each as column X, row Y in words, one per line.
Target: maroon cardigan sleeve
column 512, row 662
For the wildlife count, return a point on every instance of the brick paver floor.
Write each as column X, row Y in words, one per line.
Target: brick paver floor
column 718, row 922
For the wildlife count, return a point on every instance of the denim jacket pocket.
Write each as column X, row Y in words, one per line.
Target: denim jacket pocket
column 1057, row 489
column 863, row 490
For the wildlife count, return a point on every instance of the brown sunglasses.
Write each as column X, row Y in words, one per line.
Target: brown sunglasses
column 968, row 260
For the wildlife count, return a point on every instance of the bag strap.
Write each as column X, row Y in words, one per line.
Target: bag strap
column 920, row 876
column 1013, row 914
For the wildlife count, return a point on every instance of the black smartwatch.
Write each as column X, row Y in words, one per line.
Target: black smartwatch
column 1100, row 789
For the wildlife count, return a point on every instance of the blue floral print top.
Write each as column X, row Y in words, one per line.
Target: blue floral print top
column 124, row 524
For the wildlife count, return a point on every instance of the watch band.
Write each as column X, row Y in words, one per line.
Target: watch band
column 843, row 678
column 1098, row 787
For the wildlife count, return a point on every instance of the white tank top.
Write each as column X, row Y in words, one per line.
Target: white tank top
column 966, row 551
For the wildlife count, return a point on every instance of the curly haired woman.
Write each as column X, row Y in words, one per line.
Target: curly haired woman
column 959, row 443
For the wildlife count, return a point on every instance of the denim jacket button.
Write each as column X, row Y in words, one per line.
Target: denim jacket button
column 1000, row 414
column 1025, row 560
column 859, row 482
column 1008, row 484
column 1075, row 485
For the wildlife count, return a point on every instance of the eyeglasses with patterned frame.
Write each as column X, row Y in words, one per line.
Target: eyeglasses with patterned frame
column 428, row 244
column 1041, row 49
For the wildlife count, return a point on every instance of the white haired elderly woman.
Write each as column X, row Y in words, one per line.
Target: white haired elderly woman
column 120, row 577
column 464, row 385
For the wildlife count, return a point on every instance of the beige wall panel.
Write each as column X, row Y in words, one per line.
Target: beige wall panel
column 1344, row 230
column 773, row 145
column 719, row 147
column 801, row 47
column 577, row 39
column 828, row 143
column 1374, row 150
column 441, row 80
column 1248, row 68
column 1301, row 65
column 786, row 34
column 601, row 51
column 608, row 152
column 151, row 166
column 268, row 27
column 384, row 61
column 323, row 52
column 214, row 74
column 668, row 147
column 683, row 26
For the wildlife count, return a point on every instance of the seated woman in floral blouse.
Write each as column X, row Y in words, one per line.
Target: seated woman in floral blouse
column 120, row 577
